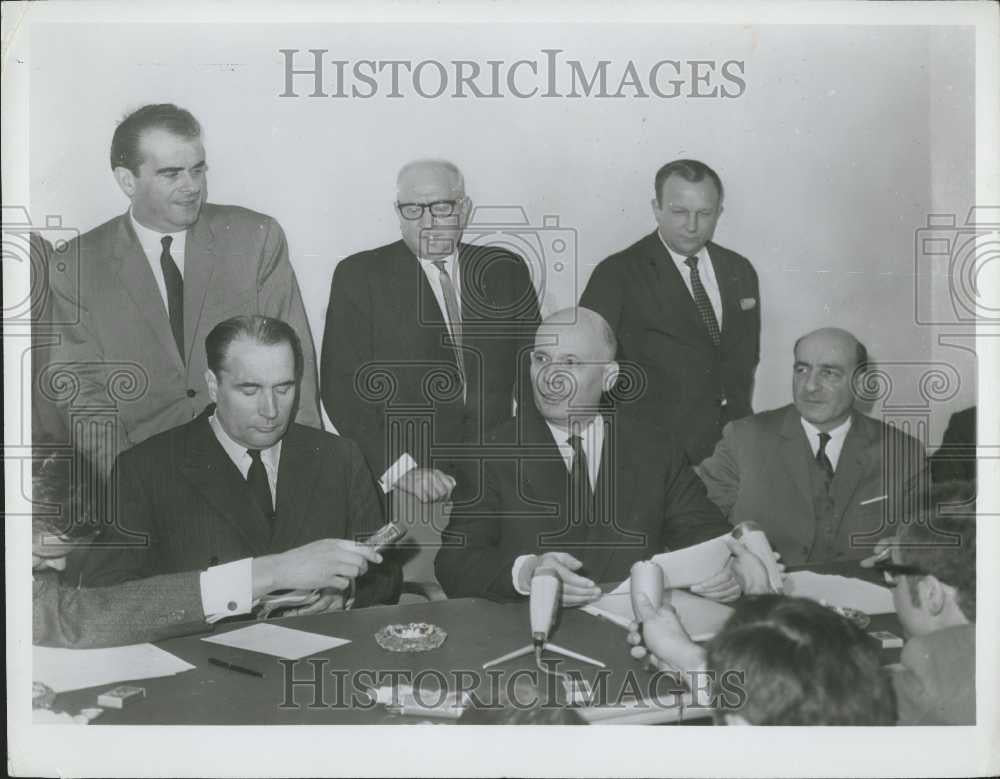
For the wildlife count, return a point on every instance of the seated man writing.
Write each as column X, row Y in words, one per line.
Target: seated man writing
column 576, row 488
column 800, row 663
column 242, row 479
column 157, row 607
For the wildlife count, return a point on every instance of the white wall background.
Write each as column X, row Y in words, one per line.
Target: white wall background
column 845, row 139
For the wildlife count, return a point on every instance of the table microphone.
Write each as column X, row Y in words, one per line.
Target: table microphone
column 646, row 579
column 543, row 603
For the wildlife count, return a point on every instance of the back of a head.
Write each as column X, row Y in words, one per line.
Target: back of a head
column 800, row 664
column 67, row 494
column 942, row 541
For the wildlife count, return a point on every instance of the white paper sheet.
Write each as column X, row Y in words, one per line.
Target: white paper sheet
column 76, row 669
column 840, row 591
column 701, row 617
column 277, row 640
column 693, row 564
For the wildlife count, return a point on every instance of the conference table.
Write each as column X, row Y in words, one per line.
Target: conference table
column 331, row 687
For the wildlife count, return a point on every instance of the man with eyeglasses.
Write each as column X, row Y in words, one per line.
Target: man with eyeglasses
column 424, row 337
column 819, row 477
column 136, row 296
column 932, row 570
column 572, row 487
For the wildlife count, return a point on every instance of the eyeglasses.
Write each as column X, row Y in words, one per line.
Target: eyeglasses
column 892, row 571
column 414, row 211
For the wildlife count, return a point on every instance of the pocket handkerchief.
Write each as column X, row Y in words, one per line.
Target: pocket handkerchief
column 747, row 303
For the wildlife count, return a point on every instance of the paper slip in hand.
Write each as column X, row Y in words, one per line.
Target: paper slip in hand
column 840, row 591
column 693, row 564
column 76, row 669
column 276, row 640
column 702, row 618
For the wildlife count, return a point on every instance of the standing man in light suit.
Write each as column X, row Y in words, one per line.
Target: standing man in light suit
column 444, row 326
column 686, row 310
column 154, row 281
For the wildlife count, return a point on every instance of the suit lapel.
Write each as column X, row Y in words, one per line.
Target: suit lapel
column 210, row 471
column 199, row 268
column 138, row 280
column 853, row 464
column 729, row 291
column 671, row 297
column 545, row 480
column 297, row 470
column 796, row 454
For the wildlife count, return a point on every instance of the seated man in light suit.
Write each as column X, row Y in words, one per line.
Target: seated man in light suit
column 242, row 479
column 161, row 606
column 812, row 474
column 575, row 488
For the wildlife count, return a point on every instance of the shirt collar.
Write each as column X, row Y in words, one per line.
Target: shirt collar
column 449, row 262
column 839, row 433
column 592, row 432
column 238, row 453
column 702, row 255
column 150, row 240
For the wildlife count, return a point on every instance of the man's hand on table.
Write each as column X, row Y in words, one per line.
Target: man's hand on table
column 576, row 590
column 882, row 551
column 743, row 574
column 428, row 485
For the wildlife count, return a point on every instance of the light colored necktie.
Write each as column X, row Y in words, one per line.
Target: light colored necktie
column 453, row 313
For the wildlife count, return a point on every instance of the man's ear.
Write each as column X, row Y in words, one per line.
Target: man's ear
column 656, row 208
column 932, row 595
column 464, row 210
column 213, row 384
column 126, row 180
column 610, row 376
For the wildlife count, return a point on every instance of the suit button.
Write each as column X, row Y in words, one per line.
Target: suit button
column 231, row 605
column 191, row 393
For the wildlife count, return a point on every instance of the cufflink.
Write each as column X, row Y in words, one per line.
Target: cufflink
column 231, row 605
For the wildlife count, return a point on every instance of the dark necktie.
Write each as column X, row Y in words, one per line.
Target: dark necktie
column 452, row 312
column 260, row 488
column 822, row 460
column 702, row 302
column 581, row 493
column 174, row 283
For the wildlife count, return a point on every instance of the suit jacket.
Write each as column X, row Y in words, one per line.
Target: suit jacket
column 936, row 679
column 117, row 342
column 183, row 505
column 651, row 500
column 388, row 362
column 641, row 294
column 956, row 459
column 760, row 472
column 130, row 613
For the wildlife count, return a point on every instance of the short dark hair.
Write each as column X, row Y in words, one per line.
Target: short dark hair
column 860, row 352
column 944, row 544
column 264, row 330
column 67, row 495
column 163, row 116
column 689, row 170
column 802, row 664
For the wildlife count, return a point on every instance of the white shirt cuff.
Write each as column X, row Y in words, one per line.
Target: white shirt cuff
column 227, row 590
column 396, row 471
column 515, row 573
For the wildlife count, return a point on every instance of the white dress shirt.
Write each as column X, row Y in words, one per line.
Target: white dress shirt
column 592, row 441
column 227, row 590
column 434, row 277
column 836, row 443
column 241, row 457
column 152, row 248
column 706, row 272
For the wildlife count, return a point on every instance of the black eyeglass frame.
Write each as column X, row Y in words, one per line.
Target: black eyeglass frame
column 453, row 207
